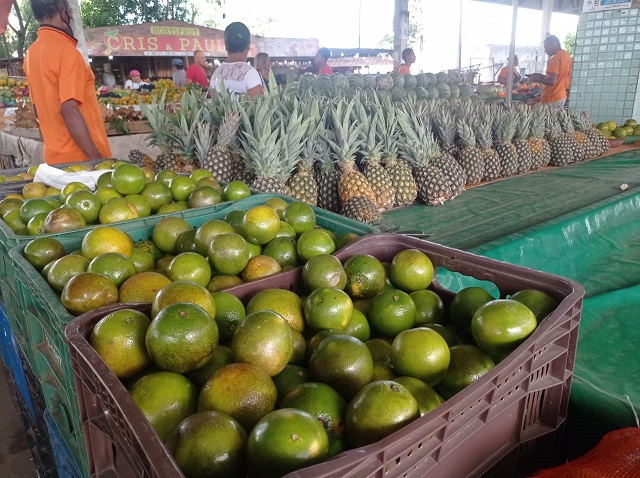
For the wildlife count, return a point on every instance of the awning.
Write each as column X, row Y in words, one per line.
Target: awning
column 5, row 11
column 559, row 6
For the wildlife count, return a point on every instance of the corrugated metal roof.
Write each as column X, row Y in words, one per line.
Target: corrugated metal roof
column 560, row 6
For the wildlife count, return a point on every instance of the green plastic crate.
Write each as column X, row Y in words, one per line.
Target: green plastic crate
column 44, row 317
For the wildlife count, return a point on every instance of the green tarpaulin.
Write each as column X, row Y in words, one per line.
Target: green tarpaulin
column 579, row 222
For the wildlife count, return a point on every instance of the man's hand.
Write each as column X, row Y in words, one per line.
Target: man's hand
column 77, row 127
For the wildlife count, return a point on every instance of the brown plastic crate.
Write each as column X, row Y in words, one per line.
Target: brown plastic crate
column 506, row 424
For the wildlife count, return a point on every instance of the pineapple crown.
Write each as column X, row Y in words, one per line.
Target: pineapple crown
column 371, row 142
column 465, row 133
column 204, row 139
column 523, row 124
column 292, row 131
column 387, row 127
column 259, row 137
column 552, row 125
column 416, row 144
column 445, row 124
column 565, row 121
column 538, row 121
column 316, row 126
column 581, row 121
column 343, row 135
column 482, row 124
column 504, row 125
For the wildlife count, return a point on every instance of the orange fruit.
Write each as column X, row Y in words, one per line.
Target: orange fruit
column 278, row 204
column 35, row 226
column 358, row 326
column 263, row 339
column 429, row 307
column 365, row 276
column 104, row 194
column 186, row 242
column 290, row 377
column 165, row 176
column 447, row 332
column 378, row 410
column 62, row 270
column 165, row 398
column 284, row 302
column 499, row 326
column 380, row 349
column 104, row 181
column 13, row 219
column 88, row 291
column 254, row 250
column 286, row 230
column 229, row 253
column 235, row 218
column 345, row 239
column 173, row 207
column 113, row 265
column 142, row 287
column 157, row 195
column 468, row 364
column 32, row 207
column 142, row 260
column 128, row 179
column 242, row 391
column 183, row 291
column 87, row 204
column 299, row 348
column 313, row 243
column 540, row 303
column 209, row 444
column 230, row 313
column 204, row 196
column 163, row 263
column 117, row 210
column 427, row 398
column 190, row 266
column 464, row 305
column 343, row 362
column 213, row 182
column 149, row 173
column 63, row 219
column 223, row 281
column 34, row 190
column 54, row 202
column 119, row 338
column 71, row 188
column 236, row 190
column 167, row 231
column 382, row 371
column 140, row 203
column 421, row 353
column 260, row 225
column 106, row 239
column 182, row 337
column 314, row 341
column 283, row 251
column 284, row 441
column 39, row 252
column 10, row 204
column 221, row 357
column 300, row 216
column 323, row 270
column 200, row 173
column 260, row 266
column 392, row 311
column 149, row 247
column 181, row 187
column 411, row 270
column 328, row 308
column 51, row 191
column 206, row 232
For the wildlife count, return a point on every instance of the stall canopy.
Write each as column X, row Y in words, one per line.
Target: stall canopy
column 560, row 6
column 175, row 38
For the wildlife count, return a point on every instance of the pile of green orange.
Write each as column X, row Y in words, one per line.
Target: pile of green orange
column 612, row 130
column 286, row 381
column 246, row 246
column 125, row 193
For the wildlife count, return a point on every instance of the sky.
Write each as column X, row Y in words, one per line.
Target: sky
column 335, row 24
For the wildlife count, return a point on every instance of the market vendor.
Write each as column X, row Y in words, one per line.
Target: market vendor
column 320, row 62
column 134, row 82
column 408, row 59
column 195, row 72
column 62, row 91
column 504, row 73
column 556, row 81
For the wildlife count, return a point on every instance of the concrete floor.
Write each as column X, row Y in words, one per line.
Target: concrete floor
column 15, row 455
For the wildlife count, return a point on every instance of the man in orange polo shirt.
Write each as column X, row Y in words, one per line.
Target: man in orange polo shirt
column 556, row 81
column 61, row 85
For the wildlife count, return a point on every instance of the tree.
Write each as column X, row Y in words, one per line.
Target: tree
column 102, row 13
column 23, row 31
column 570, row 43
column 415, row 28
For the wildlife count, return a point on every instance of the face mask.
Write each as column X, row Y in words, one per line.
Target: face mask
column 68, row 21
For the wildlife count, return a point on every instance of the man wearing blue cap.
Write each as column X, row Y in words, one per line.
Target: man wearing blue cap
column 179, row 73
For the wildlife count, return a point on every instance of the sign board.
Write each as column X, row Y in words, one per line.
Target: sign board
column 601, row 5
column 182, row 39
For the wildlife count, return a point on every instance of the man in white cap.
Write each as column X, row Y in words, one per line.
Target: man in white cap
column 179, row 73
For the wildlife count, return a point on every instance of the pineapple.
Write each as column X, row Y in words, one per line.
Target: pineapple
column 561, row 143
column 520, row 142
column 504, row 127
column 217, row 158
column 271, row 145
column 377, row 176
column 579, row 153
column 361, row 209
column 419, row 147
column 399, row 171
column 482, row 126
column 598, row 140
column 344, row 139
column 303, row 184
column 582, row 125
column 327, row 177
column 540, row 149
column 470, row 157
column 445, row 126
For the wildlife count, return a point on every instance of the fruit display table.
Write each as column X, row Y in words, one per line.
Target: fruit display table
column 580, row 222
column 18, row 151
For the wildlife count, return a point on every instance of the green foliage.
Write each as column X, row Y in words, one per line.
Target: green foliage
column 415, row 28
column 570, row 43
column 21, row 32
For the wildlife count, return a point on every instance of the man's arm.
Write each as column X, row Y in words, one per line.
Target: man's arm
column 77, row 127
column 550, row 79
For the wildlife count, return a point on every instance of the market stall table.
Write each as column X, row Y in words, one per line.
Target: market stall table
column 20, row 151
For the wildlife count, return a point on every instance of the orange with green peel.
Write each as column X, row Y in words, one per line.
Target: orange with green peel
column 142, row 287
column 157, row 194
column 187, row 242
column 259, row 267
column 183, row 291
column 236, row 190
column 260, row 225
column 181, row 187
column 365, row 276
column 278, row 204
column 142, row 260
column 313, row 243
column 34, row 190
column 328, row 308
column 235, row 218
column 205, row 234
column 299, row 348
column 428, row 399
column 392, row 311
column 39, row 252
column 88, row 291
column 411, row 270
column 167, row 231
column 106, row 239
column 10, row 204
column 87, row 204
column 35, row 226
column 429, row 307
column 140, row 203
column 290, row 377
column 32, row 207
column 229, row 253
column 189, row 266
column 540, row 303
column 71, row 188
column 200, row 173
column 104, row 194
column 421, row 353
column 230, row 312
column 468, row 364
column 117, row 210
column 204, row 196
column 358, row 326
column 323, row 270
column 149, row 247
column 182, row 337
column 222, row 282
column 464, row 305
column 64, row 269
column 380, row 349
column 283, row 250
column 300, row 216
column 128, row 179
column 165, row 176
column 113, row 265
column 221, row 357
column 13, row 219
column 119, row 338
column 63, row 219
